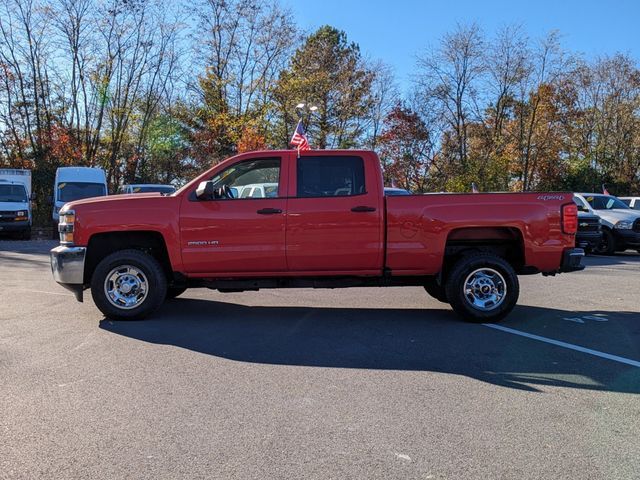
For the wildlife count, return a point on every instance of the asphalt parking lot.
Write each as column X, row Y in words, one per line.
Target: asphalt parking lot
column 357, row 383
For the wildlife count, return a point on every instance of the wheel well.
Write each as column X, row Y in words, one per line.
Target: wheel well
column 102, row 244
column 504, row 242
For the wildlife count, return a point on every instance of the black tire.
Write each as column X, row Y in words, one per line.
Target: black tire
column 498, row 275
column 436, row 290
column 152, row 278
column 173, row 292
column 608, row 244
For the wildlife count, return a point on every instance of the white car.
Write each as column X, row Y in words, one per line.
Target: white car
column 147, row 188
column 633, row 202
column 256, row 190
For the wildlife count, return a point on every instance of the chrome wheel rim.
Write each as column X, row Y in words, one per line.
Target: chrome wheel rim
column 126, row 287
column 485, row 289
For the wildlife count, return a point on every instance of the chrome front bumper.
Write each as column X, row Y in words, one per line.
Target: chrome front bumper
column 67, row 266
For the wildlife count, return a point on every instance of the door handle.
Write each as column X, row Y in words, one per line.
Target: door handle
column 269, row 211
column 363, row 208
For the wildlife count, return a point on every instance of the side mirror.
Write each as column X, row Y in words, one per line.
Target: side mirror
column 205, row 191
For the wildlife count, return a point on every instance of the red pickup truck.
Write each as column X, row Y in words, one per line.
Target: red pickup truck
column 276, row 219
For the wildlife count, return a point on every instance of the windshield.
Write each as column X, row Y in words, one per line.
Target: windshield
column 13, row 193
column 69, row 191
column 605, row 202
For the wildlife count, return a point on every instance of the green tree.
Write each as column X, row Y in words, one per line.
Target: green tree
column 326, row 71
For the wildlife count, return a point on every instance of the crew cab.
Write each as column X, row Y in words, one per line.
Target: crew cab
column 327, row 224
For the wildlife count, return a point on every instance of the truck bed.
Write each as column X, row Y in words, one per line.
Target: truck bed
column 420, row 227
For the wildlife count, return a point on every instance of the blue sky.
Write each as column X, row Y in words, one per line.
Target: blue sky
column 395, row 31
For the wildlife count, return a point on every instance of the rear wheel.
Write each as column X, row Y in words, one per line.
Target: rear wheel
column 482, row 288
column 607, row 245
column 128, row 285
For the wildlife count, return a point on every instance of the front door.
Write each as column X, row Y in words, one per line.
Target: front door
column 334, row 216
column 238, row 234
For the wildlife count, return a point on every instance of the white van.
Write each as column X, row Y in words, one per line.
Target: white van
column 75, row 183
column 15, row 202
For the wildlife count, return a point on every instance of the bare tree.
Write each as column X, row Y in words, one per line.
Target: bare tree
column 449, row 75
column 384, row 96
column 549, row 62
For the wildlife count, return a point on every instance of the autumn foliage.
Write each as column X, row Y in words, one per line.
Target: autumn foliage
column 138, row 90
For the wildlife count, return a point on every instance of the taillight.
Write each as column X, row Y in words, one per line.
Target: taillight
column 570, row 218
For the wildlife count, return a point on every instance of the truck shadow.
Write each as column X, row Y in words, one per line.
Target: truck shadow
column 389, row 339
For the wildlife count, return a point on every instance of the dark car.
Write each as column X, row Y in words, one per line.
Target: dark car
column 589, row 235
column 393, row 191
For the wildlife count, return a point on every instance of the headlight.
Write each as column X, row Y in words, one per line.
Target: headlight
column 624, row 225
column 21, row 213
column 65, row 226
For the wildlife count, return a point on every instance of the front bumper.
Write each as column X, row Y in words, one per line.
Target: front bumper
column 67, row 266
column 572, row 260
column 588, row 239
column 629, row 238
column 14, row 226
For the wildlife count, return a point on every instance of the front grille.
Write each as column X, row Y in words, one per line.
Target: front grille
column 636, row 225
column 7, row 216
column 589, row 225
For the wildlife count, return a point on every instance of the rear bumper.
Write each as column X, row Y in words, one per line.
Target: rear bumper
column 67, row 266
column 572, row 260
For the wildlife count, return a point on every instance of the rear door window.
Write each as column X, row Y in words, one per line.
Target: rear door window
column 330, row 176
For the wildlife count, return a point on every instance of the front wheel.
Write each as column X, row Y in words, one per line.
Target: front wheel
column 482, row 288
column 607, row 245
column 128, row 285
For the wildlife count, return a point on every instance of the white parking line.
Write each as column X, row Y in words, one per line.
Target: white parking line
column 570, row 346
column 42, row 291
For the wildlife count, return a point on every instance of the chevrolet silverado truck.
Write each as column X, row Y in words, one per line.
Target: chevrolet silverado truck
column 328, row 224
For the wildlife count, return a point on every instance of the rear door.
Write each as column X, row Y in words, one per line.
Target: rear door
column 335, row 215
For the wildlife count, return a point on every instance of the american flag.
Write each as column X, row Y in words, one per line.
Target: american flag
column 474, row 188
column 604, row 190
column 299, row 139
